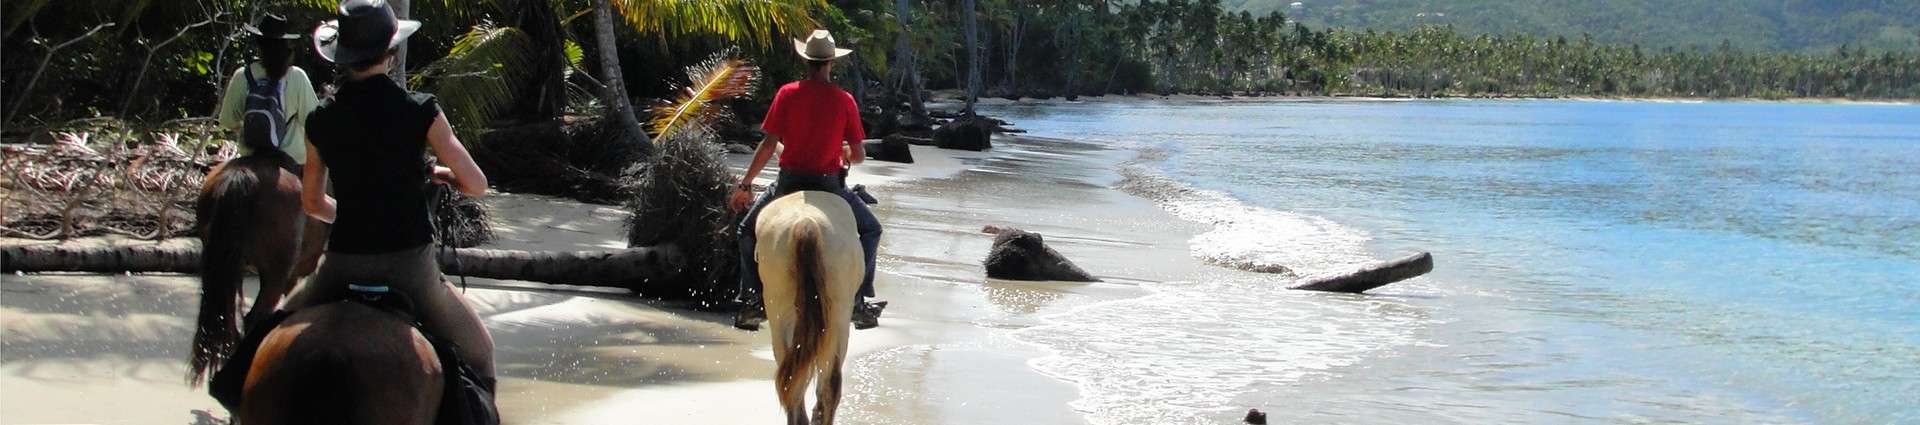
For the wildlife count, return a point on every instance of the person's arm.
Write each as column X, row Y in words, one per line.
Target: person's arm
column 856, row 135
column 313, row 195
column 460, row 171
column 234, row 100
column 743, row 192
column 856, row 152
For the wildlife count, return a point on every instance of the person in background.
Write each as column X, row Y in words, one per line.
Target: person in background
column 273, row 70
column 816, row 128
column 272, row 76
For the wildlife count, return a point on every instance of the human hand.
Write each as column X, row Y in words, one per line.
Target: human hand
column 442, row 175
column 741, row 199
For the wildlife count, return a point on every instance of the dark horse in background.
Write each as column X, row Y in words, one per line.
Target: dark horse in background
column 332, row 364
column 248, row 214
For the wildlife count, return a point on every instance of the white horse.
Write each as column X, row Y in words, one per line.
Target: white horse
column 811, row 265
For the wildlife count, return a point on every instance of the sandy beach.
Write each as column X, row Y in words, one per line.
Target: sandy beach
column 73, row 344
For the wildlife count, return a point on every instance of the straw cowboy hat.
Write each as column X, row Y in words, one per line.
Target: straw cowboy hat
column 819, row 47
column 271, row 27
column 366, row 29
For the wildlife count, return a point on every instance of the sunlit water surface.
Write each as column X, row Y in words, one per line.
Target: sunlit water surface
column 1606, row 262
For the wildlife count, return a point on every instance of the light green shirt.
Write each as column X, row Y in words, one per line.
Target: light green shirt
column 297, row 100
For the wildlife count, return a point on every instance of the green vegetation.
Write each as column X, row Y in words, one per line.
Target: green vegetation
column 1807, row 26
column 500, row 63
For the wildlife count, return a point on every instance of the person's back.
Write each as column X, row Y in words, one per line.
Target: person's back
column 272, row 69
column 373, row 135
column 814, row 120
column 371, row 139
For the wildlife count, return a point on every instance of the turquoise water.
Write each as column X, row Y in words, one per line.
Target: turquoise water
column 1596, row 261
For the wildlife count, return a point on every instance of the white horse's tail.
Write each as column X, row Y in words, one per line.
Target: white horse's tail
column 810, row 265
column 810, row 276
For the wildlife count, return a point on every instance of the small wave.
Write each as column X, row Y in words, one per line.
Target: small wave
column 1246, row 237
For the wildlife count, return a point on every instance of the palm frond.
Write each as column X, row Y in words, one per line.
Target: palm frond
column 719, row 78
column 757, row 22
column 477, row 79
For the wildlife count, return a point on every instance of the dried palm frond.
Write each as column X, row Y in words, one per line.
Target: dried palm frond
column 718, row 78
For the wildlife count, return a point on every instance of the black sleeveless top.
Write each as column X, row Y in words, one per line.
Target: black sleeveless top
column 372, row 136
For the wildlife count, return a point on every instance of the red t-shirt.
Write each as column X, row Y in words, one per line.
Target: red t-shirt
column 813, row 119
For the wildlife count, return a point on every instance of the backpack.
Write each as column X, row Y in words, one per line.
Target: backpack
column 265, row 121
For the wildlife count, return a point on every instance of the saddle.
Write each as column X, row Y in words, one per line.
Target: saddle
column 467, row 399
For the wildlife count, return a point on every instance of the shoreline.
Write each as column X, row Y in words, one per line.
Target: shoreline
column 942, row 97
column 596, row 355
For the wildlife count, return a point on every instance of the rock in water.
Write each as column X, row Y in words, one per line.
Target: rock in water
column 1022, row 255
column 1256, row 417
column 964, row 134
column 894, row 148
column 1372, row 276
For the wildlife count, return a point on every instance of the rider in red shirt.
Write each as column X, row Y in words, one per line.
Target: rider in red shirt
column 816, row 127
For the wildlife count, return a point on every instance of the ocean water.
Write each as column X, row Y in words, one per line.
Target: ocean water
column 1596, row 262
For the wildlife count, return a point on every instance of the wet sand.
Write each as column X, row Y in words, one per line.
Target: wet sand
column 112, row 349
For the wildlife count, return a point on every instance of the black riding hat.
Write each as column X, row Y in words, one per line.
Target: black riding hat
column 366, row 29
column 271, row 27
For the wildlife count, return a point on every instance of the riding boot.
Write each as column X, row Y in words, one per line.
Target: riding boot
column 228, row 383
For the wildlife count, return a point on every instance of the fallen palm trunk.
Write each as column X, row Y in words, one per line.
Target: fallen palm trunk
column 629, row 268
column 1372, row 276
column 142, row 258
column 644, row 270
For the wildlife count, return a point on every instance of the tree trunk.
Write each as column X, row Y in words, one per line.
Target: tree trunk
column 614, row 95
column 973, row 55
column 632, row 268
column 644, row 270
column 546, row 97
column 1372, row 276
column 402, row 9
column 1015, row 33
column 859, row 82
column 909, row 65
column 142, row 258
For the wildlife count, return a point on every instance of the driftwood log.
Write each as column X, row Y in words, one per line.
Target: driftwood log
column 1371, row 276
column 633, row 268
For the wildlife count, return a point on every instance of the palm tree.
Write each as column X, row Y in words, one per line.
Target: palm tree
column 501, row 67
column 908, row 64
column 973, row 54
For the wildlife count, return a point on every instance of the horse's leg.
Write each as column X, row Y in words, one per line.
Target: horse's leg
column 275, row 264
column 276, row 245
column 792, row 389
column 827, row 391
column 313, row 240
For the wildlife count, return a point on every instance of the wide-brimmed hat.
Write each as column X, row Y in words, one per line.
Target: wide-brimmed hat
column 271, row 27
column 819, row 47
column 366, row 29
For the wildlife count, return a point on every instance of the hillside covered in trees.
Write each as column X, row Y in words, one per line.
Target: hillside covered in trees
column 502, row 62
column 1775, row 25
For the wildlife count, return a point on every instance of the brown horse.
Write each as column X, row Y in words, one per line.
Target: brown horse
column 248, row 213
column 810, row 267
column 343, row 363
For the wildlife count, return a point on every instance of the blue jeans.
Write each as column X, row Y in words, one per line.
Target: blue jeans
column 864, row 221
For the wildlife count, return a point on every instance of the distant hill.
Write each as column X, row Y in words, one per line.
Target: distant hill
column 1791, row 25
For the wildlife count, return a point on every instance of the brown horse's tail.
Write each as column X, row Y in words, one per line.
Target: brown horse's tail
column 223, row 214
column 810, row 272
